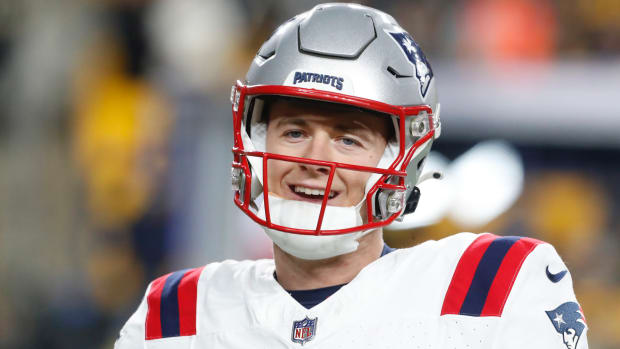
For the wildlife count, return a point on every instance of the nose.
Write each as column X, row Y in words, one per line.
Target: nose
column 315, row 168
column 318, row 149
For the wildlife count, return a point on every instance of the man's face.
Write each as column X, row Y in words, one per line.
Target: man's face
column 570, row 339
column 320, row 132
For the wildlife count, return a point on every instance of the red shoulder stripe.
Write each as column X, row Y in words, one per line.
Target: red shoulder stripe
column 188, row 295
column 153, row 299
column 464, row 274
column 506, row 275
column 172, row 303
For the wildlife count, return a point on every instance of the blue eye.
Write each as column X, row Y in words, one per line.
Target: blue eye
column 348, row 141
column 294, row 134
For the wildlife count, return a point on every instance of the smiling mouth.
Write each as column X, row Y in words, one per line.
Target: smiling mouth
column 312, row 193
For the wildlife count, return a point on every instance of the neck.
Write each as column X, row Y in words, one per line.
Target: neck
column 301, row 274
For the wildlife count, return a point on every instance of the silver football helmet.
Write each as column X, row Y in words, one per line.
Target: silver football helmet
column 347, row 54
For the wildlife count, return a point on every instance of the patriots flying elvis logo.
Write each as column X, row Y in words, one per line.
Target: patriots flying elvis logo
column 568, row 320
column 410, row 48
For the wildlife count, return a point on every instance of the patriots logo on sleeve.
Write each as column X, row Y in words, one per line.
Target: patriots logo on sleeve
column 568, row 320
column 410, row 48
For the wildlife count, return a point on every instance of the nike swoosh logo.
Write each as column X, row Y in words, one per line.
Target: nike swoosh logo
column 557, row 276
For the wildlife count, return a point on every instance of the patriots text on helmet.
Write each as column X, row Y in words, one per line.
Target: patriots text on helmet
column 334, row 81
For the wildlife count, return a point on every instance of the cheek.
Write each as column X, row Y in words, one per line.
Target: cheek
column 275, row 169
column 274, row 173
column 362, row 181
column 358, row 180
column 377, row 154
column 356, row 185
column 369, row 158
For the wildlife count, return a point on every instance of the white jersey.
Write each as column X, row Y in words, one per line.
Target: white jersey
column 464, row 291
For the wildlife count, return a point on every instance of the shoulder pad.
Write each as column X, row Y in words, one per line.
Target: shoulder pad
column 485, row 274
column 172, row 305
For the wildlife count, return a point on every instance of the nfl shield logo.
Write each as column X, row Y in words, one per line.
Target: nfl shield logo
column 304, row 330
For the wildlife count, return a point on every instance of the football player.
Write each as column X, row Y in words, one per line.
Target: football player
column 332, row 125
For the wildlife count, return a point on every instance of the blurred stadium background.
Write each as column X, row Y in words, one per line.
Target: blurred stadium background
column 115, row 136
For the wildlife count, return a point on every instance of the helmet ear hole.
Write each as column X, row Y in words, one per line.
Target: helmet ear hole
column 412, row 201
column 250, row 113
column 377, row 209
column 421, row 163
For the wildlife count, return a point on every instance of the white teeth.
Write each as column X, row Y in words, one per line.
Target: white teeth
column 310, row 191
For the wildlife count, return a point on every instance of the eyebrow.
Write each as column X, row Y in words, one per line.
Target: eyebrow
column 355, row 125
column 293, row 121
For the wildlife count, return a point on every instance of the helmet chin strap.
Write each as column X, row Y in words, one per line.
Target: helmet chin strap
column 304, row 215
column 311, row 247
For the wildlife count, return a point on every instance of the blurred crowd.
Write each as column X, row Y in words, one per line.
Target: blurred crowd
column 115, row 137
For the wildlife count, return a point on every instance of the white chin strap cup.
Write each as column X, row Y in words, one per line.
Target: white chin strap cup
column 304, row 215
column 313, row 247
